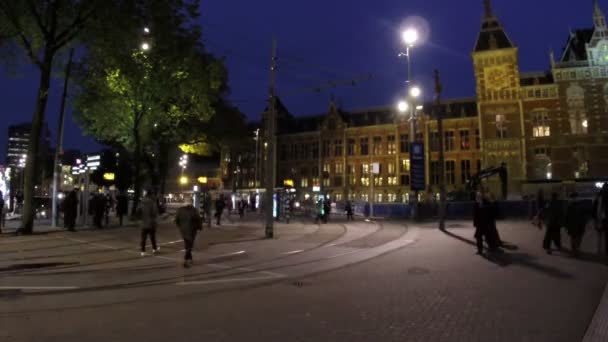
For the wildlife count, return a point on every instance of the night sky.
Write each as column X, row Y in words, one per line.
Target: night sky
column 339, row 40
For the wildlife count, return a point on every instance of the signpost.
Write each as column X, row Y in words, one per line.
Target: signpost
column 417, row 167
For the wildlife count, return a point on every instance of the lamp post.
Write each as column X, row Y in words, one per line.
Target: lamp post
column 410, row 106
column 410, row 37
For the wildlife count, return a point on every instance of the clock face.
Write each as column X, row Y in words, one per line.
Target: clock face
column 496, row 78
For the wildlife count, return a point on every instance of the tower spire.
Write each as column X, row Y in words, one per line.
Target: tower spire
column 599, row 19
column 488, row 8
column 492, row 35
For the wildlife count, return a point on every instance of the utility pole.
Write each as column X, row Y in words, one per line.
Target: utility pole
column 270, row 146
column 439, row 116
column 57, row 161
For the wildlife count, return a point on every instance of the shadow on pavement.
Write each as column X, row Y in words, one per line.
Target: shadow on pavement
column 522, row 259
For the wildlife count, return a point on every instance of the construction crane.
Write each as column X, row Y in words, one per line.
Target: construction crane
column 474, row 182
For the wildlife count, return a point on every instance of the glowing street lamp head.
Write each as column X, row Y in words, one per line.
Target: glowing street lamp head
column 415, row 91
column 183, row 180
column 145, row 46
column 146, row 30
column 402, row 106
column 410, row 36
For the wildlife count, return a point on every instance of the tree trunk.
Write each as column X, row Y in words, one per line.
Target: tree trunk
column 163, row 155
column 27, row 220
column 136, row 169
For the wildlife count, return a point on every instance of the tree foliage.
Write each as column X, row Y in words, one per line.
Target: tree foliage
column 40, row 30
column 143, row 98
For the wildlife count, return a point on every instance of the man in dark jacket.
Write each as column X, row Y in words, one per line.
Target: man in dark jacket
column 482, row 220
column 220, row 204
column 189, row 223
column 122, row 206
column 70, row 209
column 149, row 215
column 554, row 217
column 600, row 216
column 349, row 211
column 576, row 220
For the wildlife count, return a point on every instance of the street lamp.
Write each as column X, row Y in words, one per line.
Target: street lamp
column 415, row 92
column 403, row 106
column 145, row 46
column 410, row 36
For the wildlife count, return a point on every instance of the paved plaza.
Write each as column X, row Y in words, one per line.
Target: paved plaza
column 342, row 281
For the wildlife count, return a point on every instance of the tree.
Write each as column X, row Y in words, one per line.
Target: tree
column 145, row 97
column 40, row 30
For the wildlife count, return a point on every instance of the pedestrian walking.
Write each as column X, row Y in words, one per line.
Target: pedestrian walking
column 70, row 210
column 189, row 223
column 98, row 206
column 540, row 209
column 326, row 209
column 349, row 211
column 319, row 211
column 554, row 216
column 149, row 213
column 600, row 216
column 482, row 216
column 122, row 206
column 220, row 204
column 493, row 215
column 241, row 207
column 575, row 221
column 2, row 211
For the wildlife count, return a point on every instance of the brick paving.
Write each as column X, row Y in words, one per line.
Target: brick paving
column 436, row 289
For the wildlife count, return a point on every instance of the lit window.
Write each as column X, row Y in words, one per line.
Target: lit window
column 540, row 124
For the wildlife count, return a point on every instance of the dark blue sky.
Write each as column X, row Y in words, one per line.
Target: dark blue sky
column 319, row 41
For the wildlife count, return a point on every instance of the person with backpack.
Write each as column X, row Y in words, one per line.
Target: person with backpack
column 189, row 223
column 220, row 204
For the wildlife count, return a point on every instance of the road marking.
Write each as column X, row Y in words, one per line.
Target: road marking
column 229, row 254
column 228, row 280
column 170, row 242
column 39, row 288
column 294, row 252
column 122, row 250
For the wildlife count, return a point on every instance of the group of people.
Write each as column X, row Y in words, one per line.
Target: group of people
column 574, row 216
column 187, row 219
column 100, row 206
column 323, row 209
column 485, row 214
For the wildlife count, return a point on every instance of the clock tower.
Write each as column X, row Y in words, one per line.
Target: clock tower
column 501, row 122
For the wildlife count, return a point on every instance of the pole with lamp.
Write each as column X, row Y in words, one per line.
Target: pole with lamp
column 409, row 106
column 183, row 163
column 439, row 117
column 410, row 37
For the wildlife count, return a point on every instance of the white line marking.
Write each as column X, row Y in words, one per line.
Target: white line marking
column 52, row 288
column 229, row 254
column 227, row 280
column 170, row 242
column 294, row 252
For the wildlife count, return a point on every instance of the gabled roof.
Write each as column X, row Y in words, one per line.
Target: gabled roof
column 575, row 49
